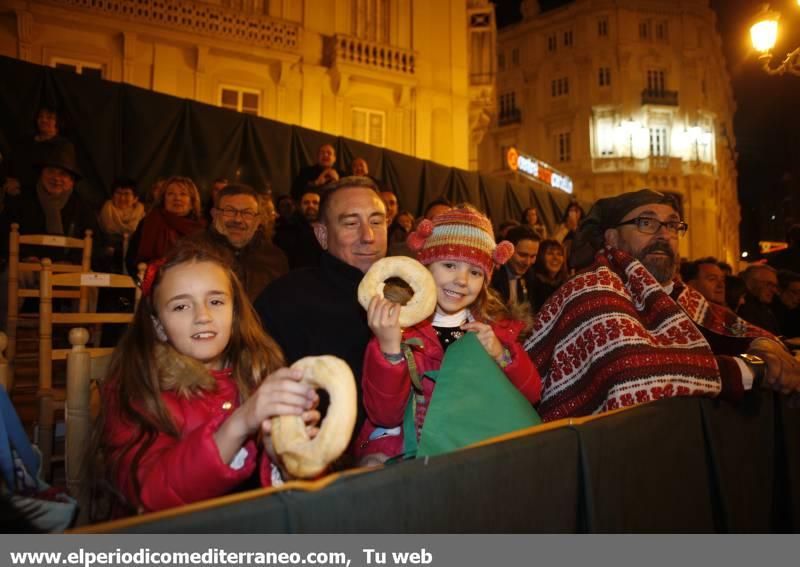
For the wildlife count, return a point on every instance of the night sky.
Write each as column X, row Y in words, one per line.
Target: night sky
column 767, row 120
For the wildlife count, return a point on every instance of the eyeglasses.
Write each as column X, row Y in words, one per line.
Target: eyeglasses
column 649, row 225
column 230, row 213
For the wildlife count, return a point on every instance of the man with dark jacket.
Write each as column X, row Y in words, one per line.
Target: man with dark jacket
column 514, row 280
column 236, row 230
column 52, row 206
column 315, row 310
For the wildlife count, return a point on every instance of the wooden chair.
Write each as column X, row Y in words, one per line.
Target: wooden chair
column 16, row 267
column 47, row 395
column 84, row 371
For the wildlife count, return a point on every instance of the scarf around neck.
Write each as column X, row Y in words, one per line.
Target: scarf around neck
column 612, row 337
column 52, row 206
column 160, row 230
column 120, row 221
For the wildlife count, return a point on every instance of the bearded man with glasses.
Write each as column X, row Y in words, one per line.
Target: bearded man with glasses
column 625, row 330
column 237, row 231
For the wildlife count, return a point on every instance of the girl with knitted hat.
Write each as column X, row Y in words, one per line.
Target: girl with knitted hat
column 469, row 351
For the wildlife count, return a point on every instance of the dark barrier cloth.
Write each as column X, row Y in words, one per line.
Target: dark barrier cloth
column 741, row 448
column 787, row 493
column 264, row 515
column 122, row 130
column 519, row 486
column 679, row 465
column 646, row 470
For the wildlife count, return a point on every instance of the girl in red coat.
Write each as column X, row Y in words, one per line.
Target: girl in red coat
column 459, row 249
column 193, row 385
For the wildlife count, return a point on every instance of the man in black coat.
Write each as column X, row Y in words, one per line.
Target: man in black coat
column 52, row 206
column 315, row 310
column 514, row 280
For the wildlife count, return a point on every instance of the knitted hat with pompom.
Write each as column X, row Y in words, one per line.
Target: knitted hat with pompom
column 462, row 234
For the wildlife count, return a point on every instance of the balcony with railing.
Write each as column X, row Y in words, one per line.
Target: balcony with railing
column 509, row 116
column 371, row 54
column 197, row 17
column 660, row 97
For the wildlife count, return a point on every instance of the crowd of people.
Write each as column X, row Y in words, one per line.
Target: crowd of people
column 595, row 315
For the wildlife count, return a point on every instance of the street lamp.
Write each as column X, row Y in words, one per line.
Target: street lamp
column 764, row 35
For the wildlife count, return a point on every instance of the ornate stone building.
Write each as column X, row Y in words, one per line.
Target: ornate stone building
column 624, row 94
column 395, row 73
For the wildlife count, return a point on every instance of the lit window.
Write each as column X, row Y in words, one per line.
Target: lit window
column 85, row 68
column 658, row 141
column 369, row 126
column 247, row 101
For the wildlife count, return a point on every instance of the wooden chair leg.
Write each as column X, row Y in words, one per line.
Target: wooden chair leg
column 78, row 421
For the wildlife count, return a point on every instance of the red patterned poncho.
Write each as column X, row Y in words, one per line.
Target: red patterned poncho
column 612, row 337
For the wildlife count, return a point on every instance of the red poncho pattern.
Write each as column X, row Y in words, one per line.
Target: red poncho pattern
column 611, row 337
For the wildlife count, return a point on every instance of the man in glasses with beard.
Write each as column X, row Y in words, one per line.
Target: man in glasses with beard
column 625, row 331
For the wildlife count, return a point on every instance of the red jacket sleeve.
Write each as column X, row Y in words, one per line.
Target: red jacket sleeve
column 177, row 471
column 385, row 386
column 521, row 372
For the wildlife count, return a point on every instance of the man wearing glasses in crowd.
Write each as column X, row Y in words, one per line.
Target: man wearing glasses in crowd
column 625, row 331
column 237, row 231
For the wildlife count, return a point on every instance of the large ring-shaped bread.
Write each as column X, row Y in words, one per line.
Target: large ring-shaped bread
column 304, row 457
column 421, row 305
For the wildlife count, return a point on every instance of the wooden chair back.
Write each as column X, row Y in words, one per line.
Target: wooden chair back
column 16, row 267
column 48, row 396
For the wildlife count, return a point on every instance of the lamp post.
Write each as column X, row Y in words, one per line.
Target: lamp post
column 764, row 34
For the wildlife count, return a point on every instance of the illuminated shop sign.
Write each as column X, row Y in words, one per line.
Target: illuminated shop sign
column 538, row 170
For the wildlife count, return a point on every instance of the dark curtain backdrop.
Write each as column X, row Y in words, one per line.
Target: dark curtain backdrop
column 121, row 130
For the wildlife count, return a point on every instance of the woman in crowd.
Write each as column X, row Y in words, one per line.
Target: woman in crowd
column 176, row 213
column 119, row 217
column 549, row 270
column 530, row 217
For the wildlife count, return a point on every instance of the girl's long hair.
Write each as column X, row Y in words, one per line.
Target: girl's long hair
column 133, row 378
column 489, row 307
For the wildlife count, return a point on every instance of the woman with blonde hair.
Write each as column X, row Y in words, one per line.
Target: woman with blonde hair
column 176, row 213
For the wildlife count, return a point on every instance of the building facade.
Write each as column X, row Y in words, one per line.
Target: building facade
column 624, row 94
column 394, row 73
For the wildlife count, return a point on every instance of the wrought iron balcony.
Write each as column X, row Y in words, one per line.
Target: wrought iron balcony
column 660, row 96
column 380, row 56
column 510, row 116
column 197, row 17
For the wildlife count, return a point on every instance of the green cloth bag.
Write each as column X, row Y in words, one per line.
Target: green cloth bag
column 473, row 400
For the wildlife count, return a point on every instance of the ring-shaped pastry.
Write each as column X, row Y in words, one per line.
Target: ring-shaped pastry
column 304, row 457
column 421, row 305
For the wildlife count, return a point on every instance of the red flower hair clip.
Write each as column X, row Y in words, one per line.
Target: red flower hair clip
column 150, row 274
